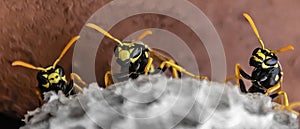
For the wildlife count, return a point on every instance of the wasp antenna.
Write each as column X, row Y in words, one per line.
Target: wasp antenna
column 71, row 42
column 143, row 35
column 26, row 65
column 98, row 28
column 290, row 47
column 249, row 19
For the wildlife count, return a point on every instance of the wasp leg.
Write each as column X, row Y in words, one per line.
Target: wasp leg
column 285, row 97
column 242, row 86
column 273, row 88
column 148, row 66
column 180, row 69
column 166, row 64
column 69, row 89
column 274, row 98
column 76, row 77
column 240, row 83
column 175, row 73
column 287, row 106
column 292, row 107
column 229, row 79
column 281, row 92
column 77, row 87
column 107, row 78
column 38, row 93
column 173, row 70
column 239, row 73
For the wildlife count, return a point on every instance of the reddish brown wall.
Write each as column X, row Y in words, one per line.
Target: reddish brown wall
column 35, row 31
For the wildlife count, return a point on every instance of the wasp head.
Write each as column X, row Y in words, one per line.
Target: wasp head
column 129, row 52
column 51, row 77
column 263, row 58
column 126, row 52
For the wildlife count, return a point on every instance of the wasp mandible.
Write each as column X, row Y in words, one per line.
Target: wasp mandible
column 267, row 76
column 136, row 58
column 53, row 78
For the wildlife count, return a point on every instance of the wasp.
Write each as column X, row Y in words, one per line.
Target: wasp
column 136, row 58
column 53, row 78
column 267, row 75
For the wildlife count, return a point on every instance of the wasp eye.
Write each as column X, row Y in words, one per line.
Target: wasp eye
column 116, row 51
column 136, row 53
column 271, row 61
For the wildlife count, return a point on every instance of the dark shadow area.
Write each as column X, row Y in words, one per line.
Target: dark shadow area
column 10, row 122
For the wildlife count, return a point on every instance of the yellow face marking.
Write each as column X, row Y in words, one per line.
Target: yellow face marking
column 54, row 78
column 261, row 55
column 259, row 51
column 46, row 85
column 45, row 75
column 124, row 55
column 147, row 55
column 64, row 78
column 57, row 71
column 257, row 59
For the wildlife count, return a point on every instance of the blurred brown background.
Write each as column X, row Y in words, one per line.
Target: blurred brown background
column 36, row 31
